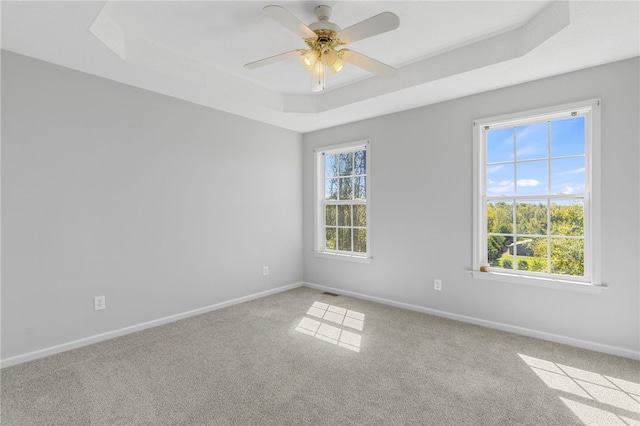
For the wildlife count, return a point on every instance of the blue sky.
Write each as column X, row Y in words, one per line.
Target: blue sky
column 530, row 146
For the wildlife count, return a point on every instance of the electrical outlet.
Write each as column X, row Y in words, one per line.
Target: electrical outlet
column 437, row 285
column 265, row 270
column 99, row 303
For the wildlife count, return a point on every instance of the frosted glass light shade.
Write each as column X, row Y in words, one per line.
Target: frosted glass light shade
column 308, row 59
column 337, row 65
column 328, row 56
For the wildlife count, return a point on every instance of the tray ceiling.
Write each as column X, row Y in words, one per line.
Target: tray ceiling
column 443, row 50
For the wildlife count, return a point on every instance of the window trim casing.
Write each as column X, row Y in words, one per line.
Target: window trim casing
column 318, row 198
column 592, row 282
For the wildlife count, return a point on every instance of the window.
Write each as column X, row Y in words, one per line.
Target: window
column 535, row 196
column 342, row 208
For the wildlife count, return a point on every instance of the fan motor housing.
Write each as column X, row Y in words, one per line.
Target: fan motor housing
column 323, row 13
column 324, row 25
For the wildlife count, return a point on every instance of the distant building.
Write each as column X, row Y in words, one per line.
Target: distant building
column 523, row 248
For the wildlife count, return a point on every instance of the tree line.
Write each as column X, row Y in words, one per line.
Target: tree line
column 541, row 238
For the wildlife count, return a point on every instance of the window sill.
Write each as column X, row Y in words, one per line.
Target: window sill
column 346, row 257
column 556, row 284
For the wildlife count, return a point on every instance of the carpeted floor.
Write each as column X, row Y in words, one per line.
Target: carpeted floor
column 303, row 357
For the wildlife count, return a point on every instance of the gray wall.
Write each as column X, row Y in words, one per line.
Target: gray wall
column 165, row 206
column 160, row 205
column 421, row 212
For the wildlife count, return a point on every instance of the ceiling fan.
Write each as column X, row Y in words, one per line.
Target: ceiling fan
column 324, row 37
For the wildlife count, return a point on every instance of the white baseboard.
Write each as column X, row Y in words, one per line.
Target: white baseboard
column 542, row 335
column 598, row 347
column 40, row 353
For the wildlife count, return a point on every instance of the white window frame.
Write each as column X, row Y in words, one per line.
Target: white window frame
column 591, row 282
column 319, row 201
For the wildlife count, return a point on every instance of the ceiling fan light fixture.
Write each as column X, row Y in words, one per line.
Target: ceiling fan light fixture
column 309, row 59
column 338, row 64
column 323, row 37
column 328, row 56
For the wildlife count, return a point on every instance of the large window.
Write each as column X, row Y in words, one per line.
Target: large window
column 342, row 210
column 535, row 193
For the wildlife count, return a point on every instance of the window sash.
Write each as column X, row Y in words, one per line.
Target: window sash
column 548, row 235
column 351, row 226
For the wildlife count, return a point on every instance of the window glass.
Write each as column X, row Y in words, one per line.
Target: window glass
column 567, row 175
column 531, row 141
column 500, row 180
column 568, row 137
column 500, row 145
column 532, row 178
column 331, row 166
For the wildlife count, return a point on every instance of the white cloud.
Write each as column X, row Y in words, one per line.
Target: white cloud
column 567, row 190
column 528, row 182
column 531, row 151
column 501, row 187
column 570, row 172
column 494, row 169
column 506, row 186
column 573, row 188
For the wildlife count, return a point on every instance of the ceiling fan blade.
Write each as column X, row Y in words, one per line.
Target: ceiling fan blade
column 386, row 21
column 272, row 59
column 368, row 64
column 290, row 21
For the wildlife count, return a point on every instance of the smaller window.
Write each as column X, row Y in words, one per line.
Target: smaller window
column 342, row 208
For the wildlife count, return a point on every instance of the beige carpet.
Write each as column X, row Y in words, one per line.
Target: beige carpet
column 302, row 357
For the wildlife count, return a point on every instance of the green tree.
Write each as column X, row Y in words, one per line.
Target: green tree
column 567, row 220
column 499, row 221
column 567, row 256
column 360, row 234
column 531, row 218
column 495, row 248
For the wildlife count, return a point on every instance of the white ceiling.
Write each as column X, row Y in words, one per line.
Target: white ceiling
column 443, row 50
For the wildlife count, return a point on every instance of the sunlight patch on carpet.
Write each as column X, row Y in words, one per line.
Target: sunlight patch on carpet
column 594, row 398
column 325, row 322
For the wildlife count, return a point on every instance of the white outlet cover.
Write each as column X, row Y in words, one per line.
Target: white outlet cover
column 99, row 303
